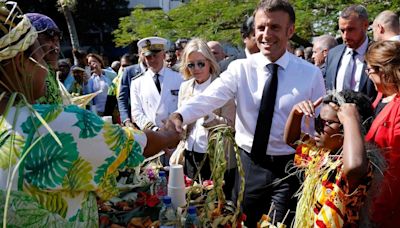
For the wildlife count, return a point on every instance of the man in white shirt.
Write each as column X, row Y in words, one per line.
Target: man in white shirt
column 386, row 26
column 247, row 81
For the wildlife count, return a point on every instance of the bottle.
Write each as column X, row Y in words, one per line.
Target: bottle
column 168, row 217
column 192, row 221
column 160, row 186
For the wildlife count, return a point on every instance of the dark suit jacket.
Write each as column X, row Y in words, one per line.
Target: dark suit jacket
column 124, row 94
column 331, row 69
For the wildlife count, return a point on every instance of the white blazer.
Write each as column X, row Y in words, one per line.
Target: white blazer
column 148, row 107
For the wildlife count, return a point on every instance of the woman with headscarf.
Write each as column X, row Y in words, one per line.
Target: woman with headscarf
column 55, row 160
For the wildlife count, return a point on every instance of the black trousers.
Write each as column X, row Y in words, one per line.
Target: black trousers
column 264, row 184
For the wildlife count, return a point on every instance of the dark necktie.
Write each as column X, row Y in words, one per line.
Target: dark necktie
column 157, row 82
column 265, row 114
column 349, row 77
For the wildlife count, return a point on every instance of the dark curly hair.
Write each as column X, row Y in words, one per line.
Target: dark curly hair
column 362, row 102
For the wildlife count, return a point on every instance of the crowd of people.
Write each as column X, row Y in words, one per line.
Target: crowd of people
column 318, row 130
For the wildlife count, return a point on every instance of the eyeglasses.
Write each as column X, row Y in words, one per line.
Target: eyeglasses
column 200, row 64
column 320, row 124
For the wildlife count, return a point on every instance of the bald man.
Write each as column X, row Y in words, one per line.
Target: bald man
column 386, row 26
column 217, row 50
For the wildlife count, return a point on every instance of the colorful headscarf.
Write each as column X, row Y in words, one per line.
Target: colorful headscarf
column 42, row 22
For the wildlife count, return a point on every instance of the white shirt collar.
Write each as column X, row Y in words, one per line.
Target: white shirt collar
column 204, row 84
column 360, row 50
column 161, row 72
column 263, row 61
column 395, row 38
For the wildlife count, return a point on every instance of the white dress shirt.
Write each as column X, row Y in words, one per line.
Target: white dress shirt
column 244, row 81
column 197, row 140
column 359, row 61
column 395, row 38
column 150, row 107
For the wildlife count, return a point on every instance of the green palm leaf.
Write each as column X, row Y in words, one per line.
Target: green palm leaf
column 52, row 201
column 11, row 145
column 89, row 123
column 27, row 212
column 114, row 136
column 79, row 177
column 47, row 112
column 135, row 158
column 117, row 140
column 88, row 214
column 46, row 166
column 101, row 171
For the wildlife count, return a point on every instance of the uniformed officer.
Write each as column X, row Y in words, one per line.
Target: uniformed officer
column 154, row 94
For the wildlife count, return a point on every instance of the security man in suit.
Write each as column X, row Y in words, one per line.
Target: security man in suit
column 345, row 65
column 124, row 95
column 154, row 94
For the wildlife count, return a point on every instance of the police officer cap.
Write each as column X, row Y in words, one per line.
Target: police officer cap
column 152, row 45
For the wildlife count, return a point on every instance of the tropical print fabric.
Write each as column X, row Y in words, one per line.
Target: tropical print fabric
column 53, row 94
column 326, row 200
column 56, row 185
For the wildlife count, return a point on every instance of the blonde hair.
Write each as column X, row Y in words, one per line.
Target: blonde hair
column 198, row 45
column 384, row 56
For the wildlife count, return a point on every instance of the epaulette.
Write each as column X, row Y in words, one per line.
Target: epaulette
column 138, row 75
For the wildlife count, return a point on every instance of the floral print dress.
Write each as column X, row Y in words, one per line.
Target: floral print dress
column 57, row 185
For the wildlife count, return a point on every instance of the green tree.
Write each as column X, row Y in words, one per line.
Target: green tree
column 208, row 19
column 221, row 19
column 320, row 17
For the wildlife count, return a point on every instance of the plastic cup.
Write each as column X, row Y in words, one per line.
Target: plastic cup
column 107, row 119
column 176, row 178
column 178, row 196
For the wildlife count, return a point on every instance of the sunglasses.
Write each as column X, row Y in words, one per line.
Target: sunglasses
column 199, row 64
column 320, row 124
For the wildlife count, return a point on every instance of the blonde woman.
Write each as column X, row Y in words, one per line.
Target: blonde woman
column 199, row 68
column 55, row 160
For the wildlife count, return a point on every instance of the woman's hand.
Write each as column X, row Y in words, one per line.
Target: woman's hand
column 346, row 112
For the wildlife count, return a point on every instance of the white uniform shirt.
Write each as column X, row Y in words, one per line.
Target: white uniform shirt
column 197, row 140
column 359, row 59
column 147, row 104
column 244, row 81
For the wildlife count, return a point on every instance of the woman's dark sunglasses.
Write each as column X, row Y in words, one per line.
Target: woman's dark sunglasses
column 200, row 65
column 320, row 124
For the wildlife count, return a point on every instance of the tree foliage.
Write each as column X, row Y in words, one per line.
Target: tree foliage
column 320, row 17
column 208, row 19
column 221, row 19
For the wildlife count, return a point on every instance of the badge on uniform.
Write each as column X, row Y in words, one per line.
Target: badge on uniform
column 175, row 92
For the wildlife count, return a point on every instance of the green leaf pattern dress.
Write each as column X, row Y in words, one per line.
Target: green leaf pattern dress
column 57, row 186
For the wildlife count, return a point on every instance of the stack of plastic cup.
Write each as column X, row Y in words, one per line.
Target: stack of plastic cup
column 176, row 186
column 107, row 119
